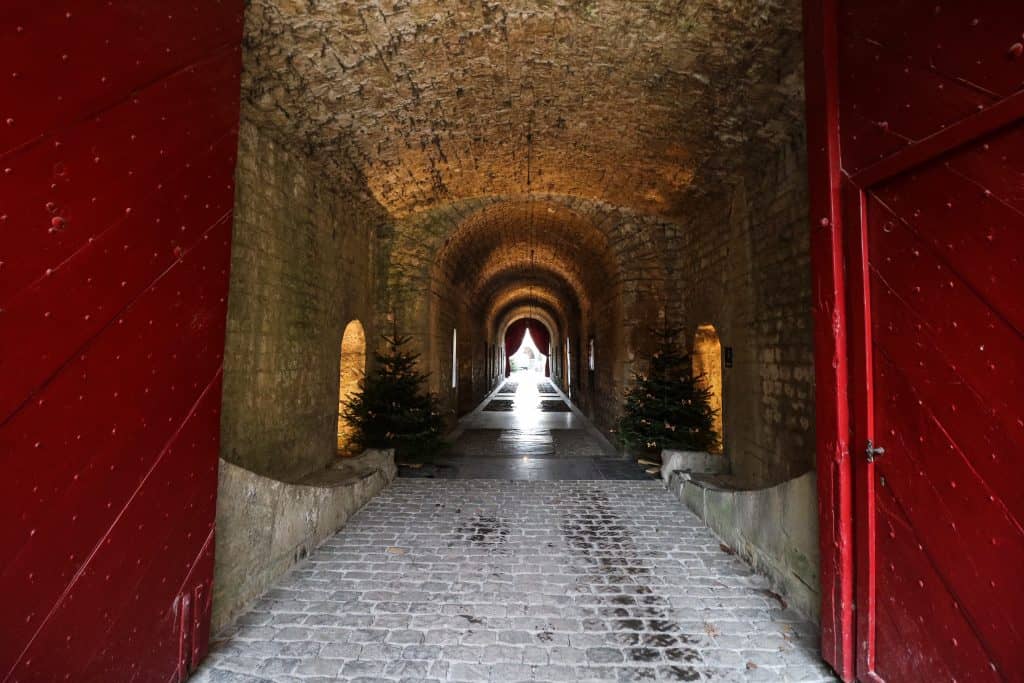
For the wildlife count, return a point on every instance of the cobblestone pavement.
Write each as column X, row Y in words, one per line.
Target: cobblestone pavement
column 490, row 580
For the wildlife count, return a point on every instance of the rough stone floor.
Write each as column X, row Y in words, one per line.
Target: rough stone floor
column 526, row 429
column 492, row 580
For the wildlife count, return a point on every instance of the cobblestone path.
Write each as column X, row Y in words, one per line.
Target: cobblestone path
column 490, row 580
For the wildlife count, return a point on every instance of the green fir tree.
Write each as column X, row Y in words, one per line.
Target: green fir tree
column 668, row 407
column 392, row 409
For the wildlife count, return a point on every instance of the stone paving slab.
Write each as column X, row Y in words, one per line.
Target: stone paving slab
column 532, row 468
column 489, row 580
column 534, row 443
column 569, row 443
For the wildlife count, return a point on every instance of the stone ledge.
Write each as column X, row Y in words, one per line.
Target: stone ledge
column 692, row 461
column 350, row 470
column 775, row 529
column 265, row 526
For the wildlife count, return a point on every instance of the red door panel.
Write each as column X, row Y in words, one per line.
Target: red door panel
column 914, row 616
column 137, row 561
column 990, row 450
column 875, row 124
column 145, row 244
column 67, row 60
column 997, row 168
column 145, row 402
column 908, row 69
column 968, row 43
column 118, row 136
column 916, row 156
column 93, row 176
column 943, row 393
column 986, row 351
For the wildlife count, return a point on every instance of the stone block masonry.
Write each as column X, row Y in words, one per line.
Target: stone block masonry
column 476, row 580
column 742, row 264
column 303, row 263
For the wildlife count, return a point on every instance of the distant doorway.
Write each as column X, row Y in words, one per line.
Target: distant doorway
column 527, row 347
column 528, row 358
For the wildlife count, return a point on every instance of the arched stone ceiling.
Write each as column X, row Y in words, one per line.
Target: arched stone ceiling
column 519, row 286
column 524, row 235
column 518, row 296
column 510, row 264
column 632, row 103
column 527, row 246
column 547, row 302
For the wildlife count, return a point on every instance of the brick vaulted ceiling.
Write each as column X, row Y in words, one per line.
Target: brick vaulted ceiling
column 631, row 103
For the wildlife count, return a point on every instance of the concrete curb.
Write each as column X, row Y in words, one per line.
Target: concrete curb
column 692, row 461
column 775, row 529
column 265, row 526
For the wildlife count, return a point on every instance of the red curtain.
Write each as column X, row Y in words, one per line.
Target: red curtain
column 514, row 336
column 543, row 341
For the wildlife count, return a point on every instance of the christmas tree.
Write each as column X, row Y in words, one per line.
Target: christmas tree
column 391, row 409
column 668, row 407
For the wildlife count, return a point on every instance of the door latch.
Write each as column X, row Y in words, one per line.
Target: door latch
column 874, row 452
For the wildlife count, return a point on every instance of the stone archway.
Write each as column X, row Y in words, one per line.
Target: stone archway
column 352, row 369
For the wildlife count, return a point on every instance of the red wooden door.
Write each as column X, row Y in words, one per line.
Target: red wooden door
column 939, row 373
column 118, row 134
column 920, row 113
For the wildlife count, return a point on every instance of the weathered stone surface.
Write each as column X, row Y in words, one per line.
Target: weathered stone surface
column 692, row 461
column 571, row 157
column 524, row 580
column 775, row 529
column 595, row 270
column 432, row 103
column 592, row 161
column 743, row 264
column 265, row 526
column 302, row 266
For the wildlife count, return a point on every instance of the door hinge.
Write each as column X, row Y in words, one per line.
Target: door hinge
column 874, row 452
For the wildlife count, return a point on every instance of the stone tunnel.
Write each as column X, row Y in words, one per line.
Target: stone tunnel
column 497, row 172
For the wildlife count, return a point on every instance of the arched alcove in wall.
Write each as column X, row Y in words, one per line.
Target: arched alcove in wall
column 707, row 361
column 352, row 369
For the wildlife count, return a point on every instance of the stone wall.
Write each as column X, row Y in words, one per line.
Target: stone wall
column 304, row 259
column 775, row 529
column 265, row 526
column 742, row 264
